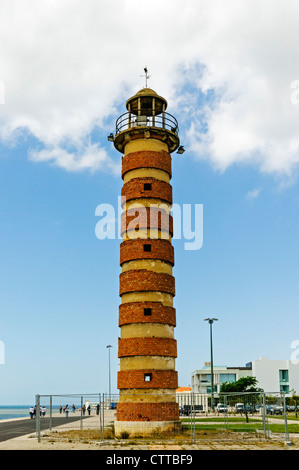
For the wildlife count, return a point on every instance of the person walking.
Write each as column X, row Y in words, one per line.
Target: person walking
column 31, row 412
column 89, row 410
column 67, row 411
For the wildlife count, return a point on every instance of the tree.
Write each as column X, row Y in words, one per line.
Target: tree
column 244, row 384
column 295, row 399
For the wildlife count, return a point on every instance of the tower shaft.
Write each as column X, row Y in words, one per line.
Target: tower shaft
column 147, row 379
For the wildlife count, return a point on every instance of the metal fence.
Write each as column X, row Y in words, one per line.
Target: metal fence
column 264, row 414
column 69, row 412
column 163, row 120
column 252, row 415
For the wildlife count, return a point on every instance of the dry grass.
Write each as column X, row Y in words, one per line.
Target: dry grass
column 211, row 440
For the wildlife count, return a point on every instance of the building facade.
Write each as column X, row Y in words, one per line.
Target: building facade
column 201, row 378
column 273, row 376
column 277, row 375
column 147, row 380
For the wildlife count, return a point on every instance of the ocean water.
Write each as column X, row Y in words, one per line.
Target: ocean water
column 11, row 412
column 17, row 411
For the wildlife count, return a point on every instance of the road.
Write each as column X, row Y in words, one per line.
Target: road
column 20, row 427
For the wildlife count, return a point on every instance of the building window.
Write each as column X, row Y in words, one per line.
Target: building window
column 147, row 186
column 227, row 378
column 147, row 311
column 147, row 247
column 147, row 377
column 284, row 375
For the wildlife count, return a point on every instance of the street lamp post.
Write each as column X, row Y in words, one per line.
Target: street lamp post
column 109, row 347
column 211, row 321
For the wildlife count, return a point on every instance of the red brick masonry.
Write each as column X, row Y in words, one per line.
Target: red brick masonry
column 146, row 159
column 134, row 249
column 138, row 280
column 147, row 347
column 147, row 412
column 133, row 312
column 136, row 379
column 146, row 217
column 134, row 189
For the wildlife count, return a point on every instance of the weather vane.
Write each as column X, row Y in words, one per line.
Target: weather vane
column 147, row 76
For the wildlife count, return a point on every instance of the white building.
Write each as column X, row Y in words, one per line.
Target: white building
column 201, row 378
column 273, row 376
column 276, row 376
column 183, row 398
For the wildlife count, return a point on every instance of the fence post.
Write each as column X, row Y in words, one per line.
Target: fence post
column 192, row 419
column 100, row 411
column 50, row 425
column 81, row 414
column 265, row 418
column 103, row 417
column 286, row 429
column 225, row 412
column 37, row 416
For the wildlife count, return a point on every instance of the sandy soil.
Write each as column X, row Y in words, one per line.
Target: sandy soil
column 31, row 443
column 62, row 439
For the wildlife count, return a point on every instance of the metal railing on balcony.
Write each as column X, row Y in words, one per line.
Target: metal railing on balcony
column 162, row 121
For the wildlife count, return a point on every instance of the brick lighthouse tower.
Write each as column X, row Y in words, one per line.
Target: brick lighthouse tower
column 147, row 381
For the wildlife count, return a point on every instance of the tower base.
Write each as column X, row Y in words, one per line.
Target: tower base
column 145, row 428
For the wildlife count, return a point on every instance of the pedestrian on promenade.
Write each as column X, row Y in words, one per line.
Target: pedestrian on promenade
column 60, row 409
column 67, row 411
column 89, row 409
column 74, row 408
column 98, row 408
column 83, row 410
column 31, row 412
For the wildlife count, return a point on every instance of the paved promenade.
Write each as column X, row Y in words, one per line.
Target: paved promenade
column 10, row 429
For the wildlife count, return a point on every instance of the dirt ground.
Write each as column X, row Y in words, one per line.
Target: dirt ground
column 75, row 438
column 207, row 441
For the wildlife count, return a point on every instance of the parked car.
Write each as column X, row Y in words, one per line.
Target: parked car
column 187, row 410
column 221, row 408
column 249, row 409
column 278, row 410
column 274, row 410
column 239, row 408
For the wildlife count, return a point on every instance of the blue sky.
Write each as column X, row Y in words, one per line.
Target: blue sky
column 59, row 282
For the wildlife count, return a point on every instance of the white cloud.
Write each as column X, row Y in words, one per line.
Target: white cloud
column 68, row 68
column 253, row 194
column 91, row 157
